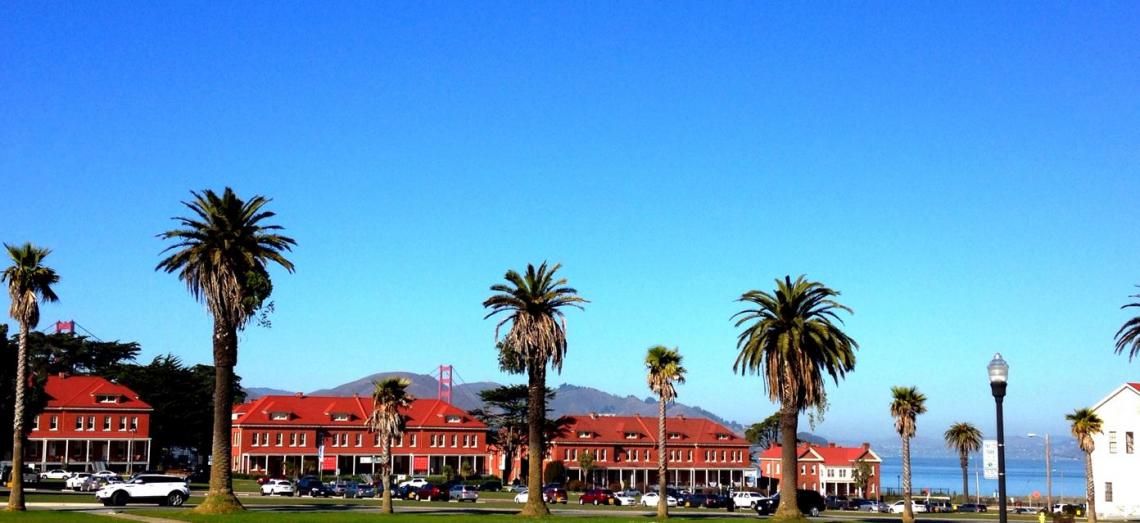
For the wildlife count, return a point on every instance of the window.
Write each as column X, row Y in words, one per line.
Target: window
column 690, row 456
column 803, row 469
column 122, row 423
column 335, row 440
column 454, row 441
column 54, row 423
column 630, row 435
column 36, row 423
column 768, row 469
column 830, row 473
column 674, row 435
column 344, row 440
column 106, row 399
column 647, row 455
column 567, row 454
column 603, row 451
column 134, row 424
column 236, row 439
column 279, row 416
column 280, row 439
column 414, row 438
column 79, row 423
column 453, row 419
column 1128, row 443
column 339, row 416
column 433, row 441
column 91, row 423
column 292, row 439
column 360, row 440
column 254, row 441
column 1112, row 442
column 106, row 423
column 777, row 468
column 584, row 435
column 400, row 441
column 304, row 439
column 475, row 440
column 722, row 437
column 1108, row 492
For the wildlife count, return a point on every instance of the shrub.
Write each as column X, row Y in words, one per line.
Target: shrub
column 575, row 485
column 555, row 472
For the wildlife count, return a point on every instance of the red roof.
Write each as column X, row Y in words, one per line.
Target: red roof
column 340, row 411
column 1135, row 386
column 614, row 429
column 828, row 454
column 83, row 392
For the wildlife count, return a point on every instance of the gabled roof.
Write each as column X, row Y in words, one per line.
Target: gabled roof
column 323, row 410
column 82, row 392
column 1127, row 387
column 828, row 454
column 613, row 429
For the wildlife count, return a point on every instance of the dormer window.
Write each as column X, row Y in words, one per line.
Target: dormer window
column 631, row 435
column 279, row 416
column 674, row 435
column 106, row 398
column 340, row 416
column 452, row 418
column 722, row 436
column 585, row 435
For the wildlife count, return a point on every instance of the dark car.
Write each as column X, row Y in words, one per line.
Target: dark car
column 311, row 486
column 853, row 504
column 971, row 507
column 555, row 495
column 404, row 492
column 835, row 502
column 810, row 502
column 597, row 496
column 490, row 486
column 700, row 499
column 716, row 501
column 431, row 492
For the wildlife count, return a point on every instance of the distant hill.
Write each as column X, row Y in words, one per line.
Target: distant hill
column 568, row 399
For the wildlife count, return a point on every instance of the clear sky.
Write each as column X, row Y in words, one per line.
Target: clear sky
column 967, row 174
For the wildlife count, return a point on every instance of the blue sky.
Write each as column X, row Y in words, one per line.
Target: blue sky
column 966, row 174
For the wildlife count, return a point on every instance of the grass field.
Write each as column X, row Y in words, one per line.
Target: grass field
column 43, row 516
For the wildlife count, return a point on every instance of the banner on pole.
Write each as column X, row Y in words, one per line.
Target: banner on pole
column 990, row 458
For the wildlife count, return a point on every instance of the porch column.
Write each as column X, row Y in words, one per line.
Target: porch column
column 87, row 456
column 66, row 451
column 43, row 460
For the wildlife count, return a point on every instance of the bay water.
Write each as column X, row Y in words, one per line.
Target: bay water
column 1023, row 476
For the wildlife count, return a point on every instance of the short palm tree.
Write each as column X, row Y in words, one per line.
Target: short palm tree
column 906, row 404
column 29, row 282
column 534, row 305
column 792, row 338
column 965, row 438
column 1128, row 337
column 664, row 366
column 389, row 397
column 1086, row 424
column 222, row 254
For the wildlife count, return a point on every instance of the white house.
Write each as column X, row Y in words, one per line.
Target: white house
column 1116, row 463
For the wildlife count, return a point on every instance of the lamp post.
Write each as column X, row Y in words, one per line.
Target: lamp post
column 1048, row 473
column 999, row 374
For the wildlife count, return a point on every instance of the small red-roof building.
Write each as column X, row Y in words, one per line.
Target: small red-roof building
column 700, row 452
column 89, row 423
column 277, row 435
column 828, row 469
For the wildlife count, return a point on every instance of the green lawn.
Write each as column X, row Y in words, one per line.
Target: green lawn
column 371, row 517
column 43, row 516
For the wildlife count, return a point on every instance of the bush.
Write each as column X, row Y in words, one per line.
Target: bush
column 575, row 485
column 555, row 472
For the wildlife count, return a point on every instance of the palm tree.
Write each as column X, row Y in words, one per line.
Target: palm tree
column 389, row 397
column 533, row 303
column 664, row 365
column 964, row 438
column 1129, row 334
column 1085, row 424
column 29, row 282
column 906, row 405
column 222, row 255
column 793, row 339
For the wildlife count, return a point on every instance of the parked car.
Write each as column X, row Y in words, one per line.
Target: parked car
column 810, row 502
column 1026, row 510
column 597, row 496
column 431, row 492
column 651, row 499
column 463, row 493
column 870, row 505
column 490, row 486
column 365, row 490
column 77, row 481
column 106, row 474
column 916, row 506
column 699, row 500
column 835, row 502
column 939, row 505
column 522, row 496
column 972, row 507
column 746, row 499
column 404, row 492
column 516, row 488
column 555, row 494
column 415, row 482
column 625, row 500
column 161, row 489
column 347, row 489
column 852, row 504
column 277, row 487
column 311, row 486
column 55, row 474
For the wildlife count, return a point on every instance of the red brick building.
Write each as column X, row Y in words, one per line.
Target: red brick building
column 89, row 423
column 700, row 452
column 282, row 434
column 827, row 469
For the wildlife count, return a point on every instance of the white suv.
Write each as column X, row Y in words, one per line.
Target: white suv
column 746, row 499
column 415, row 482
column 281, row 487
column 153, row 488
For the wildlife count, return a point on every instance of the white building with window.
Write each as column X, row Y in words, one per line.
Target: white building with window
column 1116, row 463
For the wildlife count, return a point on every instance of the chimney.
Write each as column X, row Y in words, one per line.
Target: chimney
column 831, row 445
column 593, row 415
column 62, row 375
column 300, row 394
column 866, row 446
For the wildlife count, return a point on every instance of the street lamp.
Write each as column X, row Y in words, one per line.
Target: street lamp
column 999, row 375
column 1048, row 473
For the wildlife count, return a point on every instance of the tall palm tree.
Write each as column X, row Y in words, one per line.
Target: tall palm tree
column 222, row 254
column 793, row 339
column 664, row 366
column 29, row 282
column 533, row 304
column 1129, row 334
column 906, row 404
column 965, row 438
column 1086, row 424
column 389, row 397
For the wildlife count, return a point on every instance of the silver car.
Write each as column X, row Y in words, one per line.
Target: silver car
column 463, row 493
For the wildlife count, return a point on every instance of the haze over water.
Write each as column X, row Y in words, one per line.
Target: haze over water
column 1023, row 475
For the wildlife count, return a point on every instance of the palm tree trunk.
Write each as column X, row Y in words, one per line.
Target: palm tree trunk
column 789, row 477
column 220, row 498
column 536, row 418
column 662, row 484
column 964, row 459
column 908, row 510
column 16, row 497
column 1089, row 492
column 386, row 478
